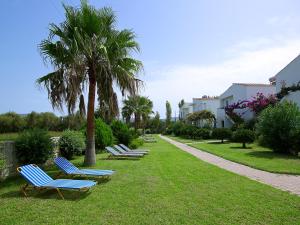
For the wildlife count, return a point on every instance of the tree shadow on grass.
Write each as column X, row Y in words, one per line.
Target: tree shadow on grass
column 270, row 155
column 217, row 142
column 47, row 194
column 240, row 147
column 115, row 158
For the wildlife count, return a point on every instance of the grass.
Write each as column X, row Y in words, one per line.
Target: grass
column 13, row 136
column 168, row 186
column 185, row 140
column 254, row 156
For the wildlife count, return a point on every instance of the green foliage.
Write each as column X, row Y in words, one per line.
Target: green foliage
column 121, row 132
column 34, row 146
column 155, row 125
column 278, row 126
column 103, row 135
column 11, row 122
column 168, row 113
column 177, row 128
column 71, row 143
column 203, row 117
column 135, row 143
column 202, row 133
column 138, row 106
column 221, row 133
column 243, row 136
column 46, row 120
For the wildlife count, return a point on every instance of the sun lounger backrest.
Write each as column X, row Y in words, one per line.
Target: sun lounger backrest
column 65, row 165
column 112, row 151
column 120, row 149
column 34, row 175
column 125, row 147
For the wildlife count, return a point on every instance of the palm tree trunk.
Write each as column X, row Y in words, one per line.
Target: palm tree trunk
column 90, row 153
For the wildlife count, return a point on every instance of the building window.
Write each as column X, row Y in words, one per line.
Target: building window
column 223, row 124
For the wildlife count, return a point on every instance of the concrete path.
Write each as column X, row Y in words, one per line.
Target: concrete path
column 290, row 183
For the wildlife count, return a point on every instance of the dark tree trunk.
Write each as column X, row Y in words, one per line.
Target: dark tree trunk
column 244, row 145
column 90, row 153
column 136, row 121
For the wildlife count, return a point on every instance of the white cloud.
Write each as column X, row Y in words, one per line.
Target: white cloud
column 252, row 62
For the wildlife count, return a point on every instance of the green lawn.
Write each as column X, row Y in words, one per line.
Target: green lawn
column 254, row 156
column 13, row 136
column 168, row 186
column 185, row 140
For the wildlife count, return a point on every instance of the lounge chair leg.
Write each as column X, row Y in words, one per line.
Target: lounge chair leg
column 23, row 189
column 60, row 194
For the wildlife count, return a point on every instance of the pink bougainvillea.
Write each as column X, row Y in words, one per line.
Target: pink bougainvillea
column 259, row 102
column 256, row 105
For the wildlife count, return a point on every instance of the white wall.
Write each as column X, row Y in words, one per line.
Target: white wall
column 240, row 92
column 206, row 104
column 186, row 109
column 288, row 76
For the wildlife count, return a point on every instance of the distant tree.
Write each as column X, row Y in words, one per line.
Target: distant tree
column 181, row 103
column 168, row 113
column 138, row 106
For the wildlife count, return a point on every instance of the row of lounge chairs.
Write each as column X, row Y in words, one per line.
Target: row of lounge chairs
column 37, row 179
column 121, row 151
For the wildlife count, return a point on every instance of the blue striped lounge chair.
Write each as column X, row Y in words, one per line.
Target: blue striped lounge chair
column 116, row 154
column 121, row 150
column 39, row 180
column 68, row 168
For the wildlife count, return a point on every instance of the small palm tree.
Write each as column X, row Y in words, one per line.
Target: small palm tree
column 86, row 50
column 138, row 106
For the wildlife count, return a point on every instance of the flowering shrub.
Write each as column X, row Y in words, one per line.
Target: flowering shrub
column 236, row 117
column 260, row 102
column 257, row 104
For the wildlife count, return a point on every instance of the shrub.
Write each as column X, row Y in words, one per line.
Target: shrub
column 11, row 122
column 202, row 133
column 121, row 132
column 221, row 133
column 71, row 143
column 277, row 126
column 243, row 136
column 177, row 128
column 103, row 134
column 34, row 146
column 135, row 143
column 296, row 142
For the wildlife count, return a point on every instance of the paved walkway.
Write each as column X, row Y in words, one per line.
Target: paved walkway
column 284, row 182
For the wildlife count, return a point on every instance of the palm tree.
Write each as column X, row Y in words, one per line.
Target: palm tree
column 138, row 106
column 86, row 50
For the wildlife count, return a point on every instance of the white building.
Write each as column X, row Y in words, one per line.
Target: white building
column 186, row 109
column 206, row 103
column 239, row 92
column 288, row 76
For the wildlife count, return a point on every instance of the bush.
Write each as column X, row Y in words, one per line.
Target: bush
column 177, row 128
column 11, row 122
column 243, row 136
column 202, row 133
column 221, row 133
column 278, row 125
column 296, row 142
column 34, row 146
column 121, row 132
column 71, row 143
column 103, row 134
column 135, row 143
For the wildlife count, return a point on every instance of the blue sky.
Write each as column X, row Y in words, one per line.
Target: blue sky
column 189, row 48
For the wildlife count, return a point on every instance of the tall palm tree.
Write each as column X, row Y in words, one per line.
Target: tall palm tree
column 139, row 107
column 86, row 50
